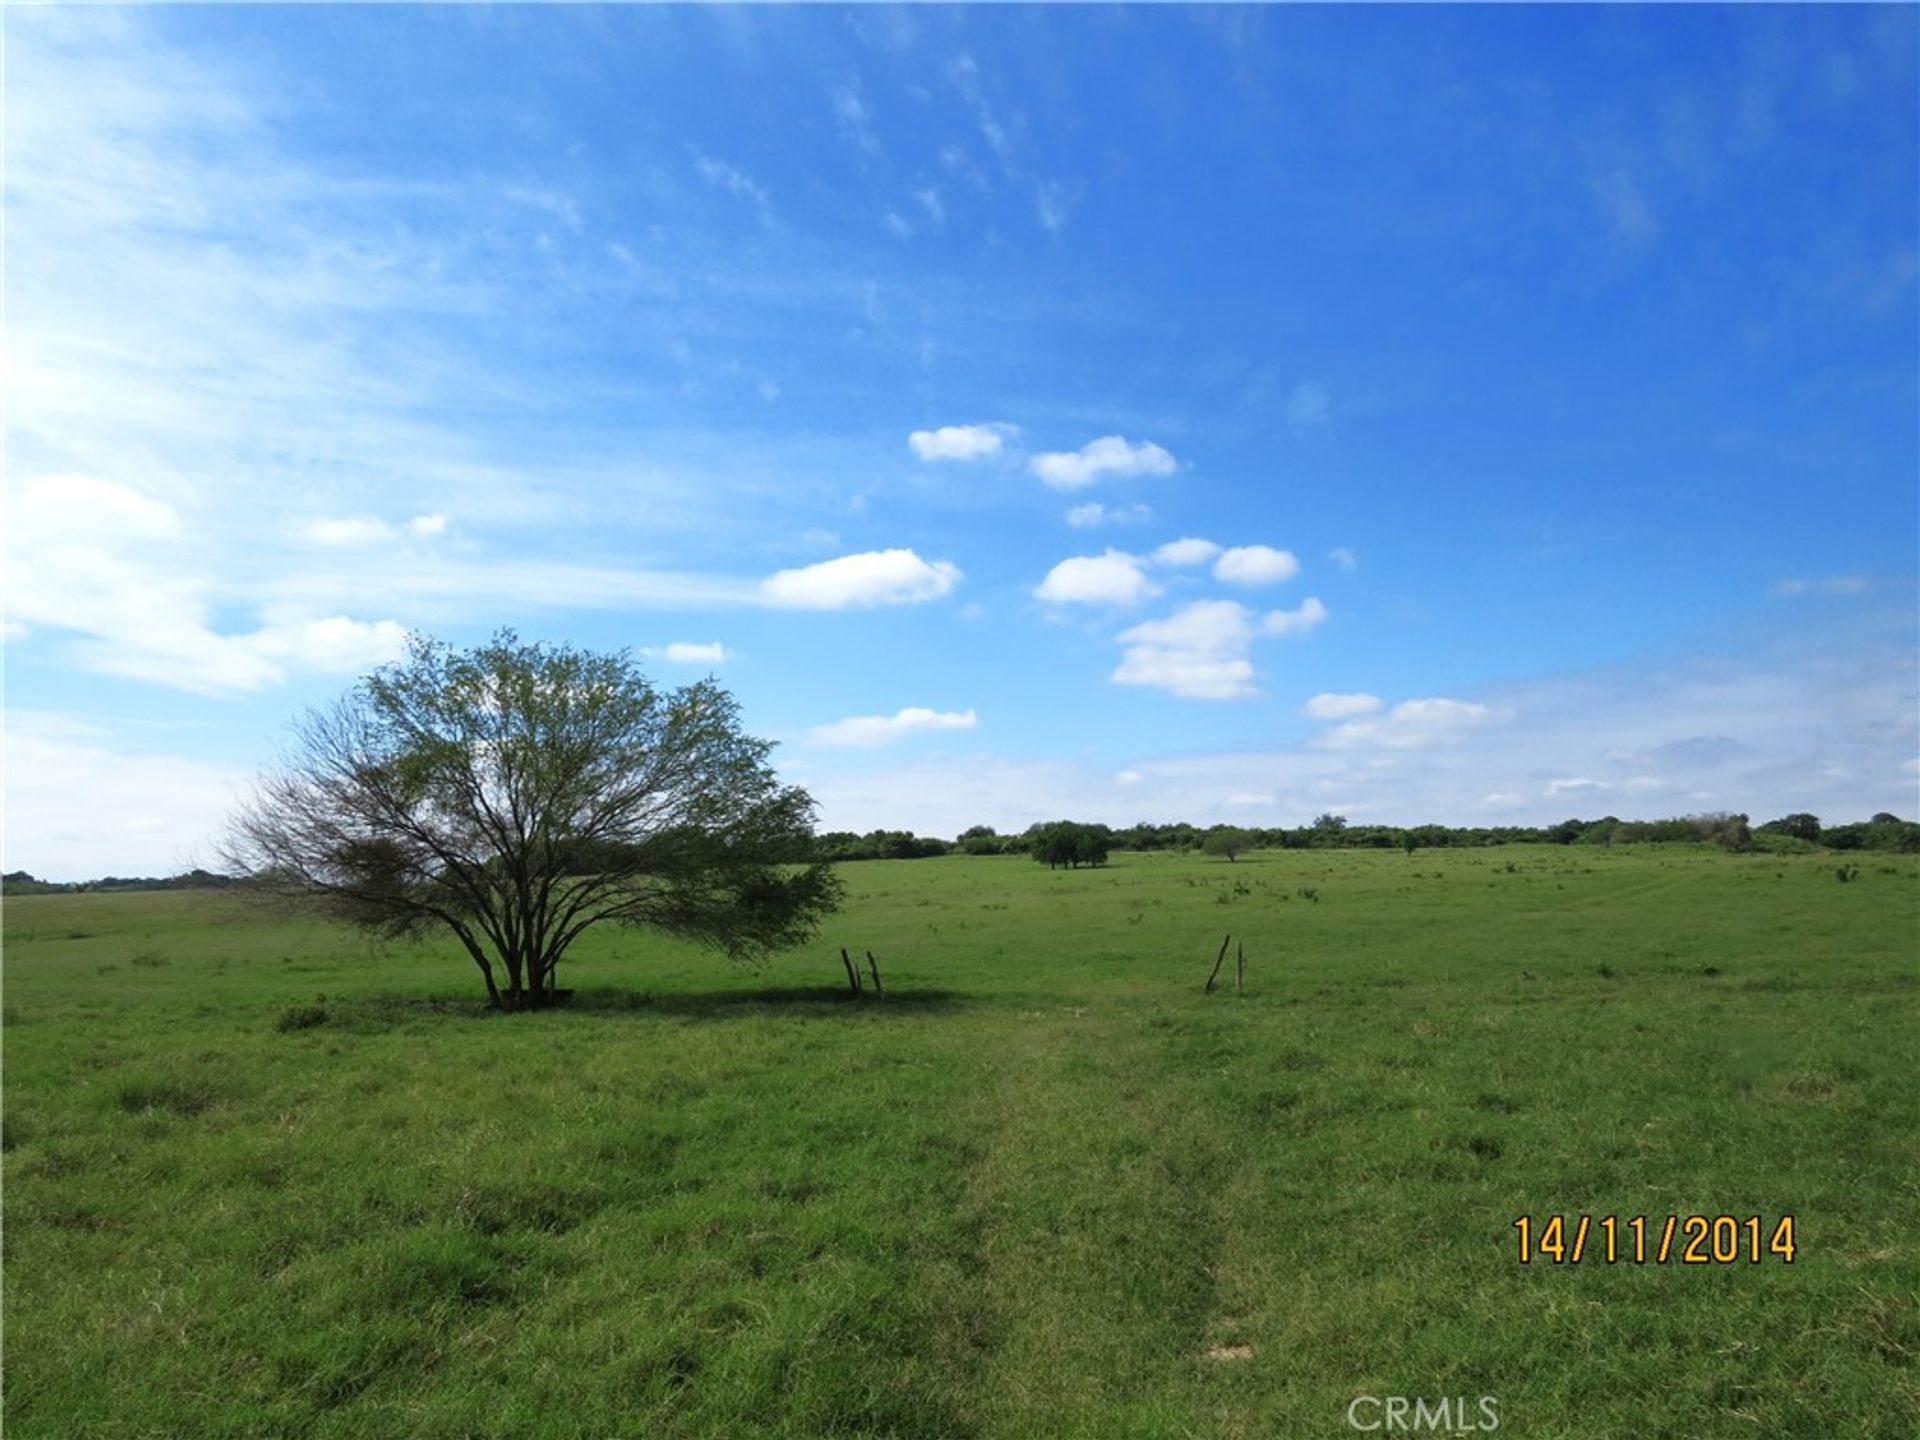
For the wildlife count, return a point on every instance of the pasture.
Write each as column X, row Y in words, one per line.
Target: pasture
column 268, row 1180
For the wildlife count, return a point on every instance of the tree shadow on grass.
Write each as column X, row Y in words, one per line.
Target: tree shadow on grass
column 382, row 1012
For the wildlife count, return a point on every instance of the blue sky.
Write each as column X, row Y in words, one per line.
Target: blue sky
column 1466, row 414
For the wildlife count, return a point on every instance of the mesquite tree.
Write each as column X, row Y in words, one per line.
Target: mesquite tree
column 517, row 794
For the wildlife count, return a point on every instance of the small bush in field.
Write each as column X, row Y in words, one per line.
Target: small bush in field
column 300, row 1017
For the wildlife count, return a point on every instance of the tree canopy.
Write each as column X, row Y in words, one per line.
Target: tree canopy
column 1227, row 840
column 519, row 794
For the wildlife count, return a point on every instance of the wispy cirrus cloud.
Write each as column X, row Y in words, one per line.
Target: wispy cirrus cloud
column 1822, row 585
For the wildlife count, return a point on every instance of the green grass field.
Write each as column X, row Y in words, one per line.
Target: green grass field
column 1044, row 1187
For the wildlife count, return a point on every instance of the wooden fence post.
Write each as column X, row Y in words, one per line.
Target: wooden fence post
column 853, row 975
column 876, row 974
column 1218, row 961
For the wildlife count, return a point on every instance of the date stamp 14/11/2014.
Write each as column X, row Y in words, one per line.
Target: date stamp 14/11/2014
column 1655, row 1240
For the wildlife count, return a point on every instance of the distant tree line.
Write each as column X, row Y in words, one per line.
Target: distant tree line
column 19, row 882
column 1069, row 844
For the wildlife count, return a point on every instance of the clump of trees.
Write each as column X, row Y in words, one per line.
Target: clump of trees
column 835, row 845
column 1067, row 845
column 518, row 795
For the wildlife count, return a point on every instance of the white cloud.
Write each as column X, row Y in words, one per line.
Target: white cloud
column 1441, row 712
column 1557, row 788
column 896, row 227
column 1309, row 613
column 1200, row 652
column 1186, row 552
column 1341, row 707
column 874, row 577
column 426, row 526
column 77, row 809
column 961, row 442
column 1823, row 585
column 870, row 732
column 1128, row 777
column 1109, row 455
column 123, row 572
column 1792, row 715
column 688, row 652
column 1309, row 405
column 1114, row 578
column 1255, row 565
column 855, row 120
column 930, row 202
column 1093, row 514
column 735, row 181
column 336, row 644
column 1053, row 202
column 1250, row 797
column 1414, row 724
column 1344, row 557
column 348, row 530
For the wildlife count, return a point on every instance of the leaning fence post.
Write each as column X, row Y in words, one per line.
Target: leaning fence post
column 871, row 965
column 853, row 975
column 1218, row 961
column 1240, row 967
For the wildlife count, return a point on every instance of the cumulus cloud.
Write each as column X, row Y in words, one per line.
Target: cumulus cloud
column 1114, row 578
column 1199, row 652
column 424, row 527
column 961, row 442
column 870, row 732
column 873, row 577
column 1329, row 706
column 1413, row 724
column 1109, row 455
column 1093, row 514
column 1186, row 552
column 337, row 644
column 1297, row 621
column 1255, row 565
